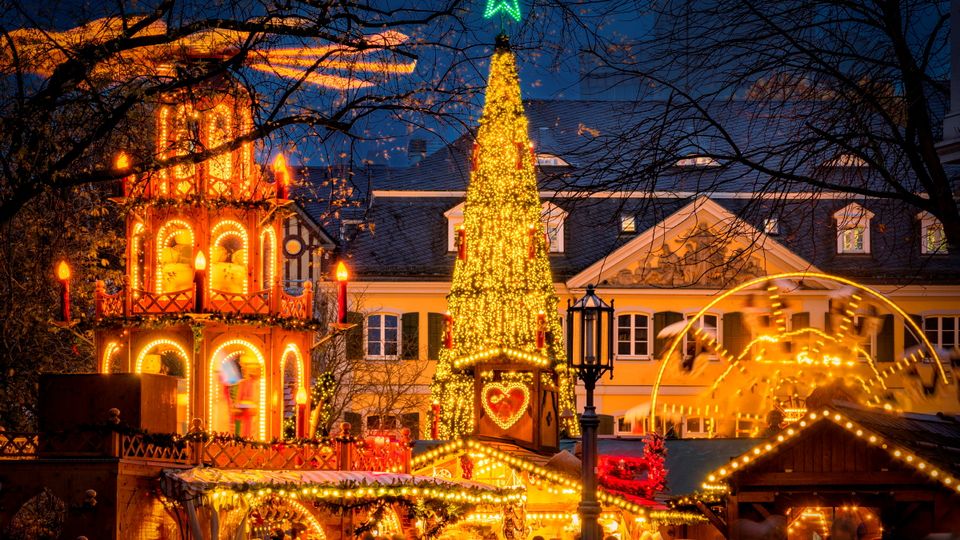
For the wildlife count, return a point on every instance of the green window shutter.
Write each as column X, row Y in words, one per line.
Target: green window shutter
column 799, row 320
column 355, row 421
column 910, row 340
column 434, row 335
column 410, row 332
column 736, row 336
column 660, row 321
column 355, row 335
column 411, row 421
column 885, row 340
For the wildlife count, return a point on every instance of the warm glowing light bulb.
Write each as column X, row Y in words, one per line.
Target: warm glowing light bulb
column 342, row 273
column 200, row 262
column 63, row 271
column 280, row 163
column 301, row 396
column 122, row 162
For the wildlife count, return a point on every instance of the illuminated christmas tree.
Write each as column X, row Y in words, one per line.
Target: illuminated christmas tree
column 502, row 303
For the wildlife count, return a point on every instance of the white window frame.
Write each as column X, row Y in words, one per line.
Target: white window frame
column 699, row 324
column 633, row 336
column 551, row 160
column 938, row 341
column 706, row 427
column 771, row 226
column 696, row 160
column 366, row 336
column 927, row 223
column 851, row 218
column 454, row 220
column 628, row 223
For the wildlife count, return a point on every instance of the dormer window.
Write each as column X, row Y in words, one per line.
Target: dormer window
column 551, row 215
column 697, row 162
column 771, row 226
column 933, row 240
column 628, row 223
column 550, row 160
column 846, row 160
column 853, row 229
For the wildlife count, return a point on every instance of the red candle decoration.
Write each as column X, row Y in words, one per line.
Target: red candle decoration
column 281, row 176
column 302, row 412
column 541, row 329
column 461, row 243
column 475, row 157
column 520, row 151
column 63, row 274
column 447, row 330
column 342, row 276
column 121, row 164
column 435, row 425
column 199, row 269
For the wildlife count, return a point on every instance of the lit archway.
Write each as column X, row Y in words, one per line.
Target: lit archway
column 268, row 255
column 237, row 396
column 229, row 257
column 291, row 381
column 175, row 244
column 816, row 357
column 109, row 352
column 276, row 512
column 161, row 356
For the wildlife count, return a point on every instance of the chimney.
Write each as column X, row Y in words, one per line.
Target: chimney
column 416, row 150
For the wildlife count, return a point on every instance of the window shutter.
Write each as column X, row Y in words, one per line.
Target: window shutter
column 885, row 340
column 799, row 320
column 909, row 340
column 828, row 318
column 434, row 335
column 736, row 336
column 660, row 321
column 355, row 336
column 410, row 333
column 411, row 421
column 354, row 419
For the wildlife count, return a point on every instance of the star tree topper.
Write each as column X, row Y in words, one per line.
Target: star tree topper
column 510, row 7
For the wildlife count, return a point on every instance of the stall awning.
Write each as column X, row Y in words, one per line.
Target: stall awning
column 330, row 485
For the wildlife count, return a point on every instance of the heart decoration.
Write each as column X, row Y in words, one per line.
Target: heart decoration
column 505, row 403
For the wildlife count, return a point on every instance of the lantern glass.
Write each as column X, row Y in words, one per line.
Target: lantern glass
column 592, row 318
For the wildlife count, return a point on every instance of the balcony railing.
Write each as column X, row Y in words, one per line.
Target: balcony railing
column 268, row 301
column 388, row 454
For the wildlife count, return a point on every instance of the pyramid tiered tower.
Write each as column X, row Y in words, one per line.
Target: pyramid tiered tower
column 503, row 373
column 203, row 299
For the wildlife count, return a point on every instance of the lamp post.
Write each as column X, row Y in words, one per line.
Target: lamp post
column 590, row 334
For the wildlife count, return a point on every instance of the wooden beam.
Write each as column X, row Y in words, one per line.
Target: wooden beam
column 713, row 518
column 817, row 481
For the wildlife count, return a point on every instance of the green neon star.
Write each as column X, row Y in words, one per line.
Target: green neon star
column 510, row 7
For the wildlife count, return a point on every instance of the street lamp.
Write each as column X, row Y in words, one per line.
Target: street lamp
column 590, row 334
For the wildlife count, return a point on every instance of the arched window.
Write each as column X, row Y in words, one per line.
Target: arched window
column 268, row 256
column 291, row 368
column 167, row 357
column 175, row 243
column 220, row 167
column 229, row 257
column 238, row 390
column 185, row 141
column 110, row 363
column 138, row 258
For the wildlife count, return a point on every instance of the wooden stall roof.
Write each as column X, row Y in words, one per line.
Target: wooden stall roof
column 922, row 443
